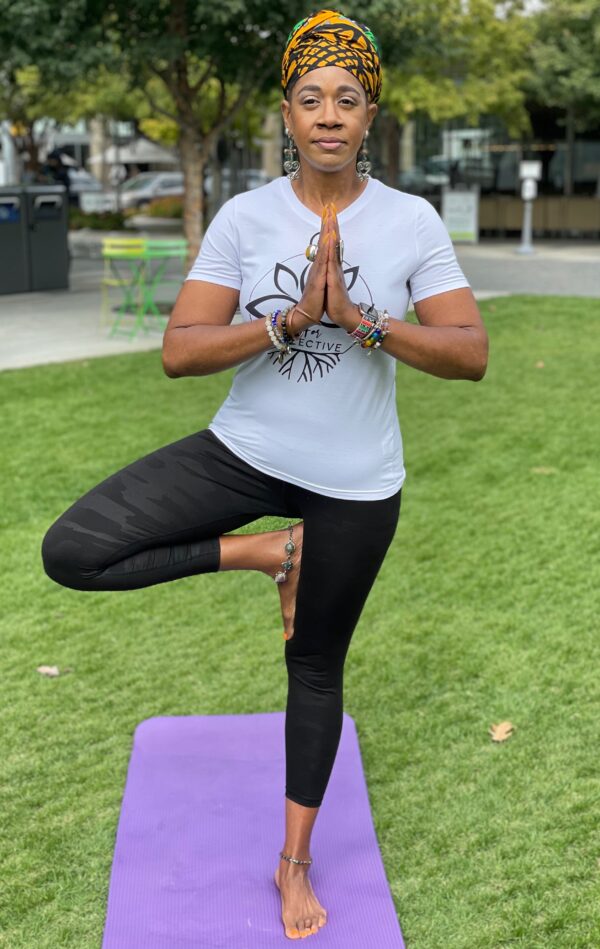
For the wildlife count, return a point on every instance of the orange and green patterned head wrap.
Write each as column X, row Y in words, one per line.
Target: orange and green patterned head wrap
column 327, row 38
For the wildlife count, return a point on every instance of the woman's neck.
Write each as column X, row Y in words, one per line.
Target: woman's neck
column 315, row 188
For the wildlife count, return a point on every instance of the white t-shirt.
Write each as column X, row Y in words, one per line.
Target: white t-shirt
column 325, row 418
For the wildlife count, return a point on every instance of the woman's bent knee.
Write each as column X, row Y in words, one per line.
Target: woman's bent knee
column 59, row 561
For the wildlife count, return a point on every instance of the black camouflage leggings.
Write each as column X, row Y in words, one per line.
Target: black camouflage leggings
column 160, row 519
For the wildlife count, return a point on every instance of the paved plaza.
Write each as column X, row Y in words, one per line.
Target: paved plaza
column 60, row 325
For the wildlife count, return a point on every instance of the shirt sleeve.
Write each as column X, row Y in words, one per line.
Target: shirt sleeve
column 437, row 268
column 218, row 260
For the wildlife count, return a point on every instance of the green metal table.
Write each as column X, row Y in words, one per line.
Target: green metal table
column 136, row 265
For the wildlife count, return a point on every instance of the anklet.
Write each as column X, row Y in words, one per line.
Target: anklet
column 293, row 859
column 287, row 565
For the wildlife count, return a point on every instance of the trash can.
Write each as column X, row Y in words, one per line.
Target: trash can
column 48, row 224
column 34, row 238
column 14, row 241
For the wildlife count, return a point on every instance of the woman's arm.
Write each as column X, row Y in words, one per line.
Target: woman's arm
column 199, row 339
column 451, row 341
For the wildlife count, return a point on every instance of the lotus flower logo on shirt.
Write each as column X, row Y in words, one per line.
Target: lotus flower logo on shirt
column 319, row 349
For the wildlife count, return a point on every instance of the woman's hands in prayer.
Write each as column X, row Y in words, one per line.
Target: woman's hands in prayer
column 325, row 289
column 313, row 298
column 338, row 305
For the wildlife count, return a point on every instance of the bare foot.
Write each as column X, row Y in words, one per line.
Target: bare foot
column 289, row 587
column 301, row 912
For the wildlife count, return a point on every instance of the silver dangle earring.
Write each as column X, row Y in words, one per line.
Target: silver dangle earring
column 363, row 165
column 291, row 165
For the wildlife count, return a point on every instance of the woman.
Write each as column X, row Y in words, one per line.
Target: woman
column 309, row 429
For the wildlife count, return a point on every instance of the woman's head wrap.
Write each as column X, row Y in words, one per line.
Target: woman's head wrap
column 327, row 38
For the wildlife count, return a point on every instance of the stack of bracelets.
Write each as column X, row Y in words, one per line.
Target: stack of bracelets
column 370, row 332
column 373, row 327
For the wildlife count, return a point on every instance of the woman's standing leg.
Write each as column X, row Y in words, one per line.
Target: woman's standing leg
column 345, row 543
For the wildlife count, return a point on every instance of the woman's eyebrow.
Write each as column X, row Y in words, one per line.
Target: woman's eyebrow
column 312, row 88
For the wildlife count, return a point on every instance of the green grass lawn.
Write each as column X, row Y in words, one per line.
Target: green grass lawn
column 486, row 609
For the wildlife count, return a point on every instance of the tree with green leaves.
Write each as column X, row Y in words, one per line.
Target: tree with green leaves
column 565, row 74
column 198, row 66
column 450, row 59
column 211, row 60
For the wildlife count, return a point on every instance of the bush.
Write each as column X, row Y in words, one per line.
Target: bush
column 98, row 221
column 165, row 207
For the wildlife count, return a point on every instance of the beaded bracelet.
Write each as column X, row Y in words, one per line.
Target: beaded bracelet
column 277, row 343
column 282, row 334
column 280, row 340
column 378, row 335
column 287, row 337
column 370, row 332
column 365, row 326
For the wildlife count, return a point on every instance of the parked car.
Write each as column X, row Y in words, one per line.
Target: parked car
column 416, row 181
column 142, row 188
column 139, row 190
column 87, row 193
column 471, row 169
column 244, row 180
column 81, row 180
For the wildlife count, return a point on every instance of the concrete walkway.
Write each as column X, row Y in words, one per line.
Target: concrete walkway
column 62, row 325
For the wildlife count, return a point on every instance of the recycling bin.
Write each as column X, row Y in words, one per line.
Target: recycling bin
column 34, row 238
column 48, row 226
column 14, row 241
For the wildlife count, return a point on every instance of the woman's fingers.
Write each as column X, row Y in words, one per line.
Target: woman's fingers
column 323, row 253
column 324, row 221
column 334, row 221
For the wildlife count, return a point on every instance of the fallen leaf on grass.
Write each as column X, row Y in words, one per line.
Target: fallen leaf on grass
column 501, row 732
column 51, row 671
column 543, row 470
column 540, row 364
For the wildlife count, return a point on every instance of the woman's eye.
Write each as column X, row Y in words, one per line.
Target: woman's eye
column 345, row 101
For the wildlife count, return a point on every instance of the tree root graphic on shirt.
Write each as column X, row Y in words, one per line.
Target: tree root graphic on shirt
column 312, row 365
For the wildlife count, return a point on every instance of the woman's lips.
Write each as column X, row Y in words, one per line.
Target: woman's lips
column 330, row 146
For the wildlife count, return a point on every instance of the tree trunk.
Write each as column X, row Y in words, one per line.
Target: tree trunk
column 98, row 144
column 32, row 146
column 214, row 199
column 570, row 151
column 392, row 150
column 193, row 160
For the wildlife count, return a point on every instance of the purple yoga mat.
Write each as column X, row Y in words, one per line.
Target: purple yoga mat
column 199, row 835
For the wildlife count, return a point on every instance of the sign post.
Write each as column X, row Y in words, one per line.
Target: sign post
column 530, row 173
column 460, row 213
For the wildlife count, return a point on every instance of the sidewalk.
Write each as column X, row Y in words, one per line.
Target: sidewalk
column 62, row 325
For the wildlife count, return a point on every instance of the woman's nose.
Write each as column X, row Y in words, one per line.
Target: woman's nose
column 329, row 114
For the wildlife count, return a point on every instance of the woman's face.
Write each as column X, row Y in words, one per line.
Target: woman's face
column 328, row 103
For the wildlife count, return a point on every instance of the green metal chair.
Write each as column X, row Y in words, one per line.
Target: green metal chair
column 115, row 251
column 145, row 260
